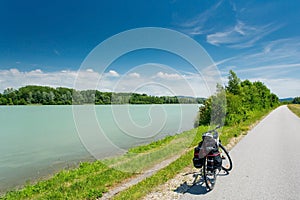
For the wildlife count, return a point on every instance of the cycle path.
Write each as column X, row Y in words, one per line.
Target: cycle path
column 266, row 163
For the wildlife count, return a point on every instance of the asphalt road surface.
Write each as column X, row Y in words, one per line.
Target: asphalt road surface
column 266, row 163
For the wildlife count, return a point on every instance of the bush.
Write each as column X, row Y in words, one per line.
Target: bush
column 242, row 99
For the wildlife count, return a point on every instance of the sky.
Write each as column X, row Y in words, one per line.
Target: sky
column 47, row 42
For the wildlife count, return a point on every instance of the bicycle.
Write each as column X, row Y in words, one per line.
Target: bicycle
column 211, row 156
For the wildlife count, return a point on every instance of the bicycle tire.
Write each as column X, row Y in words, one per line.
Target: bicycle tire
column 228, row 164
column 210, row 177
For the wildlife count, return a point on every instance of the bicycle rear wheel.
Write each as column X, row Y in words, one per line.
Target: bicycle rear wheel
column 210, row 176
column 226, row 159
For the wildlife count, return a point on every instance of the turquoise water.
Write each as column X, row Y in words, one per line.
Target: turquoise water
column 36, row 141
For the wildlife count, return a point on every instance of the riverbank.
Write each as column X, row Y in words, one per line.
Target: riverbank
column 91, row 180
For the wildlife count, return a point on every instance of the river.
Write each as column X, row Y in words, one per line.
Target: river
column 36, row 141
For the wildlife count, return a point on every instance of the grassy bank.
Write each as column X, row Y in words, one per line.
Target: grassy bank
column 91, row 180
column 295, row 108
column 88, row 181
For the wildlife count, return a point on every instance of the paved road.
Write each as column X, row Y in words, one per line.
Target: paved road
column 266, row 163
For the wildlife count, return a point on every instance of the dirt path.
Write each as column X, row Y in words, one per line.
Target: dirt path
column 132, row 181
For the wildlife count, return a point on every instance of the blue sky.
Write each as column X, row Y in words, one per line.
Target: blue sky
column 45, row 42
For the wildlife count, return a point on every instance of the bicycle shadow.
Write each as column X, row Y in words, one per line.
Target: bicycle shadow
column 197, row 187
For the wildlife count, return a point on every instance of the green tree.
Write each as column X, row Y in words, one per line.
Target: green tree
column 8, row 91
column 45, row 95
column 3, row 101
column 205, row 112
column 296, row 100
column 233, row 83
column 214, row 109
column 242, row 99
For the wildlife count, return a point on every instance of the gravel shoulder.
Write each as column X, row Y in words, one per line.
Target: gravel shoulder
column 132, row 181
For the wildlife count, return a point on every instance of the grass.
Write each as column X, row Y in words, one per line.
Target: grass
column 91, row 180
column 88, row 181
column 144, row 187
column 295, row 108
column 153, row 145
column 141, row 158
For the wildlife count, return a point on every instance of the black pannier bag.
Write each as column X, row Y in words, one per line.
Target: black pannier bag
column 208, row 147
column 214, row 160
column 197, row 161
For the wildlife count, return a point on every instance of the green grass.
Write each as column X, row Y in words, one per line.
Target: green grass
column 91, row 180
column 153, row 145
column 88, row 181
column 295, row 108
column 141, row 158
column 144, row 187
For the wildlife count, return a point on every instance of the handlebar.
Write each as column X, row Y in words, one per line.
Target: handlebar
column 212, row 133
column 214, row 130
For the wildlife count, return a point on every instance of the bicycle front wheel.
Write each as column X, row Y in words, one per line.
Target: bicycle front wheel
column 226, row 159
column 210, row 176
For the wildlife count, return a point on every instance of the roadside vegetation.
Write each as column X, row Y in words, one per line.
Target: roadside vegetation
column 244, row 100
column 296, row 100
column 295, row 108
column 246, row 104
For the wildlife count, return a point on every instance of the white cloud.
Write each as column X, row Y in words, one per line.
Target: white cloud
column 240, row 35
column 196, row 25
column 270, row 67
column 235, row 33
column 14, row 71
column 276, row 63
column 134, row 75
column 36, row 72
column 113, row 73
column 168, row 76
column 282, row 54
column 15, row 78
column 153, row 83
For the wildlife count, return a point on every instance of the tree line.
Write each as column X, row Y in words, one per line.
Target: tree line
column 44, row 95
column 236, row 102
column 296, row 100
